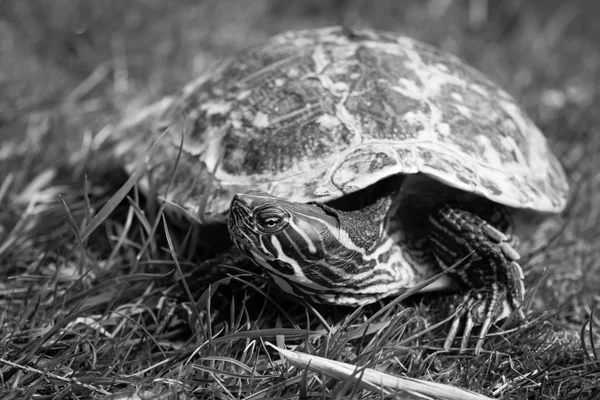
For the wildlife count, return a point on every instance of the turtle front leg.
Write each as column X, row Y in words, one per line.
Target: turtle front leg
column 491, row 274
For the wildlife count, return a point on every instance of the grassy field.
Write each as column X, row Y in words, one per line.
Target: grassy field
column 85, row 310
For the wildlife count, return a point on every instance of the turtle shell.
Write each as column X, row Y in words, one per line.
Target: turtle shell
column 317, row 114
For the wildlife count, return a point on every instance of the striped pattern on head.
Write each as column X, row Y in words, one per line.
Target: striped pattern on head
column 308, row 253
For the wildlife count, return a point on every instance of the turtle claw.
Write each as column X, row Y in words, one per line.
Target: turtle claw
column 481, row 308
column 465, row 313
column 469, row 324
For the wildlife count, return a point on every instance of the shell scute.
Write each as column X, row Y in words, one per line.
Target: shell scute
column 489, row 186
column 448, row 168
column 363, row 163
column 311, row 115
column 408, row 159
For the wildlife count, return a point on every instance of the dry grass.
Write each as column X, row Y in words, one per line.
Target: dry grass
column 86, row 296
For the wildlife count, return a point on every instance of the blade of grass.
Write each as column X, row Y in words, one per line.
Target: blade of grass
column 374, row 380
column 118, row 197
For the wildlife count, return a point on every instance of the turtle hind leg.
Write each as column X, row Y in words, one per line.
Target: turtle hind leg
column 490, row 274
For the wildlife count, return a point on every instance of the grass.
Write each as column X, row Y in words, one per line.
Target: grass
column 87, row 296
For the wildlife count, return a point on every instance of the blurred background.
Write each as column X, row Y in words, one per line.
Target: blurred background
column 538, row 50
column 70, row 68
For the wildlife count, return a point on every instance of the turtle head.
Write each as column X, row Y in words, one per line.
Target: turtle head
column 279, row 232
column 314, row 250
column 296, row 243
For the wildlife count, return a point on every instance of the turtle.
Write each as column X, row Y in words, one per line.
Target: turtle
column 353, row 164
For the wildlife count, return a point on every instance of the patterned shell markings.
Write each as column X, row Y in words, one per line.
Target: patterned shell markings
column 319, row 113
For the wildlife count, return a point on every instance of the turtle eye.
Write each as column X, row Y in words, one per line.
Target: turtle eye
column 270, row 220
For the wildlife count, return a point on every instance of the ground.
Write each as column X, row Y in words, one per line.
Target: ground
column 81, row 304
